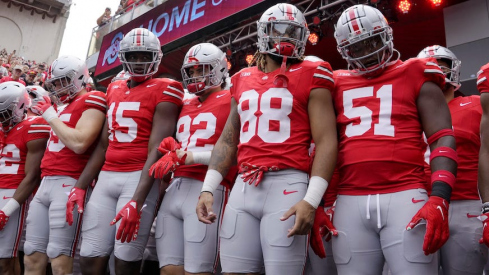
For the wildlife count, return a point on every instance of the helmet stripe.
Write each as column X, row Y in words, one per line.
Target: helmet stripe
column 354, row 20
column 138, row 37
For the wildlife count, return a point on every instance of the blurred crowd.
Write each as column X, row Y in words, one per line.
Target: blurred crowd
column 124, row 6
column 16, row 68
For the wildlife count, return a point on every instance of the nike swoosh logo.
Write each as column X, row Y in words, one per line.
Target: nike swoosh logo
column 416, row 201
column 6, row 198
column 218, row 96
column 463, row 104
column 291, row 70
column 330, row 216
column 289, row 192
column 18, row 128
column 66, row 185
column 472, row 216
column 151, row 85
column 441, row 210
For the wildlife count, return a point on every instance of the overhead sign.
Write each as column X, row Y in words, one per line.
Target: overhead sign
column 170, row 21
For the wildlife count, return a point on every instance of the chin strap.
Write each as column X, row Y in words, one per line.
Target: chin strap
column 281, row 81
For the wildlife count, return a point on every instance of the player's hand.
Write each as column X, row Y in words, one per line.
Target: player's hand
column 129, row 227
column 76, row 197
column 323, row 226
column 435, row 212
column 304, row 218
column 166, row 164
column 204, row 208
column 168, row 144
column 45, row 109
column 189, row 160
column 485, row 231
column 3, row 219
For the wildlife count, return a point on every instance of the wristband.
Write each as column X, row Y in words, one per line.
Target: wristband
column 444, row 176
column 49, row 114
column 10, row 207
column 212, row 180
column 202, row 157
column 444, row 151
column 315, row 191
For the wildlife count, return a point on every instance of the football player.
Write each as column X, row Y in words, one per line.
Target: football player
column 277, row 107
column 383, row 105
column 180, row 237
column 483, row 87
column 465, row 228
column 23, row 141
column 75, row 126
column 142, row 112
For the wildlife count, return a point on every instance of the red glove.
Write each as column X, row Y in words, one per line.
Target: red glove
column 3, row 219
column 322, row 226
column 129, row 227
column 42, row 106
column 485, row 233
column 169, row 144
column 166, row 164
column 76, row 196
column 435, row 212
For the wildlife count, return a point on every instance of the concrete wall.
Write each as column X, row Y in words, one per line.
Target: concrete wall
column 31, row 36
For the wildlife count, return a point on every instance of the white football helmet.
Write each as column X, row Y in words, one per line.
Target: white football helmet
column 67, row 76
column 140, row 40
column 14, row 102
column 211, row 61
column 364, row 39
column 452, row 74
column 122, row 75
column 36, row 93
column 282, row 31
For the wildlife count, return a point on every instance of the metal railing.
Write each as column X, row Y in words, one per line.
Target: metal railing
column 117, row 21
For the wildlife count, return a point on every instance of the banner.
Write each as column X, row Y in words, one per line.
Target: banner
column 170, row 21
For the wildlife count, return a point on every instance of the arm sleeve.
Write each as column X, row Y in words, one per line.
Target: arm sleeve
column 95, row 100
column 172, row 92
column 38, row 129
column 483, row 79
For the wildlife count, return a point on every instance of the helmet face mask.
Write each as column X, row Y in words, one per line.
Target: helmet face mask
column 282, row 31
column 204, row 67
column 140, row 54
column 14, row 102
column 364, row 39
column 452, row 70
column 62, row 88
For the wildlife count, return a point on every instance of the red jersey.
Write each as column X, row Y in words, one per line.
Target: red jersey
column 275, row 128
column 483, row 79
column 130, row 120
column 14, row 149
column 380, row 135
column 199, row 127
column 9, row 78
column 60, row 160
column 466, row 118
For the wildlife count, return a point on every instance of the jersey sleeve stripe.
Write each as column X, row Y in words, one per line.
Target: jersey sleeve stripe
column 38, row 131
column 432, row 64
column 479, row 73
column 481, row 80
column 98, row 97
column 175, row 89
column 96, row 103
column 325, row 69
column 40, row 125
column 324, row 76
column 433, row 71
column 172, row 94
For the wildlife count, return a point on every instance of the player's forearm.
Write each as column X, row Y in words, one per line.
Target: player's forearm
column 72, row 138
column 443, row 167
column 27, row 186
column 145, row 181
column 325, row 159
